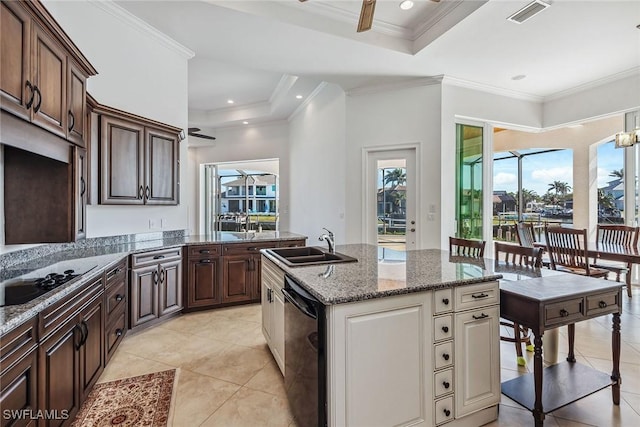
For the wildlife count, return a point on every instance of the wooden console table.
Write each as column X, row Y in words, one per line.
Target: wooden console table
column 550, row 302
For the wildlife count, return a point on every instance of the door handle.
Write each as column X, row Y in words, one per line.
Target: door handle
column 141, row 193
column 73, row 120
column 82, row 187
column 162, row 275
column 147, row 192
column 79, row 328
column 154, row 275
column 37, row 106
column 413, row 230
column 86, row 332
column 33, row 93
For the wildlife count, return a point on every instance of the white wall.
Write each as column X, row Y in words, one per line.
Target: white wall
column 395, row 117
column 139, row 73
column 319, row 174
column 238, row 144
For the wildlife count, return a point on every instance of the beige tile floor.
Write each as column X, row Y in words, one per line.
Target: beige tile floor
column 228, row 378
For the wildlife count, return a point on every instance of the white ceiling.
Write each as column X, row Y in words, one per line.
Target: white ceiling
column 263, row 53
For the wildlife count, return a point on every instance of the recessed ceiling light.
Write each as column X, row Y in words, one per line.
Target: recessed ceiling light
column 406, row 4
column 245, row 122
column 298, row 96
column 519, row 77
column 229, row 101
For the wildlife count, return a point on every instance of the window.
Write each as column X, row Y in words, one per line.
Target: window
column 469, row 141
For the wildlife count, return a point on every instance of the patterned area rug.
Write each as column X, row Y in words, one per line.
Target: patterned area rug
column 138, row 401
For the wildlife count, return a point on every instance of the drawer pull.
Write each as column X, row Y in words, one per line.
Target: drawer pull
column 564, row 313
column 158, row 257
column 119, row 297
column 602, row 304
column 205, row 261
column 481, row 295
column 446, row 384
column 205, row 251
column 253, row 249
column 445, row 301
column 447, row 412
column 482, row 316
column 118, row 332
column 445, row 356
column 445, row 329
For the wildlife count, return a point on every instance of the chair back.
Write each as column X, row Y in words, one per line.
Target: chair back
column 567, row 247
column 618, row 235
column 524, row 230
column 518, row 255
column 466, row 247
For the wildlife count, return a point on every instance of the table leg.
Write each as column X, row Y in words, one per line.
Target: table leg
column 615, row 348
column 571, row 329
column 538, row 414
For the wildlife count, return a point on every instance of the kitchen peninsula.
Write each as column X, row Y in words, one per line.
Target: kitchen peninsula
column 410, row 338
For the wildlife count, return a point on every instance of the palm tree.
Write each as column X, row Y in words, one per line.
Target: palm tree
column 560, row 188
column 605, row 200
column 395, row 177
column 617, row 173
column 527, row 196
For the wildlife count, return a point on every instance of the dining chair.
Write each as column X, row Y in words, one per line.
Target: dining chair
column 527, row 238
column 567, row 248
column 466, row 247
column 617, row 234
column 509, row 255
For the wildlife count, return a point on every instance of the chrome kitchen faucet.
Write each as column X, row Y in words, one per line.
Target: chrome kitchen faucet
column 328, row 236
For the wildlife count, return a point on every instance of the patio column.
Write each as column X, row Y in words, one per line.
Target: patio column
column 585, row 189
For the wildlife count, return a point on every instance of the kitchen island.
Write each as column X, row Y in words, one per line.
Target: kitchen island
column 412, row 338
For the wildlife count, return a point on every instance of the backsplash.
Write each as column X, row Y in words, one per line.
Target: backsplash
column 23, row 255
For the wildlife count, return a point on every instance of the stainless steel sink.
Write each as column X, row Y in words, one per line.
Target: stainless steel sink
column 307, row 255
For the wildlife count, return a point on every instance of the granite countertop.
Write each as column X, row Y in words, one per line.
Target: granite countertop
column 100, row 258
column 382, row 272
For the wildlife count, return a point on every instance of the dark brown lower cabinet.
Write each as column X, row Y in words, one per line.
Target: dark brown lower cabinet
column 70, row 361
column 18, row 376
column 204, row 282
column 239, row 277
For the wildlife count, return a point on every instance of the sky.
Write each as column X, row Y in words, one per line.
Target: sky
column 542, row 169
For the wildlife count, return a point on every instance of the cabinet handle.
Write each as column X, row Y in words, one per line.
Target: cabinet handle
column 205, row 261
column 564, row 313
column 73, row 120
column 79, row 328
column 118, row 332
column 37, row 106
column 482, row 295
column 253, row 249
column 30, row 87
column 147, row 192
column 445, row 301
column 86, row 332
column 447, row 412
column 141, row 193
column 119, row 297
column 155, row 277
column 445, row 329
column 482, row 316
column 162, row 275
column 158, row 257
column 83, row 187
column 602, row 304
column 445, row 356
column 269, row 298
column 446, row 384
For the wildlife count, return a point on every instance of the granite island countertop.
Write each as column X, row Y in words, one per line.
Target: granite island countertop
column 98, row 258
column 381, row 272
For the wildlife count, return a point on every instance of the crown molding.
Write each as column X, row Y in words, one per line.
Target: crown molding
column 306, row 102
column 404, row 84
column 282, row 88
column 134, row 22
column 633, row 72
column 455, row 81
column 443, row 10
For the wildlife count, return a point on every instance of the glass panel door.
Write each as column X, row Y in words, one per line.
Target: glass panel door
column 469, row 145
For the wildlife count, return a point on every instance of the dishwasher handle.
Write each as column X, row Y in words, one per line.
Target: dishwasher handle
column 299, row 302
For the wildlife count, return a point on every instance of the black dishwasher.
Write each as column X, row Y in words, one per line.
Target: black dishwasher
column 305, row 372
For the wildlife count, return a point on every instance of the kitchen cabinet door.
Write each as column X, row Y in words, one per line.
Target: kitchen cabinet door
column 170, row 287
column 80, row 186
column 49, row 73
column 76, row 102
column 477, row 359
column 277, row 322
column 238, row 278
column 203, row 288
column 92, row 350
column 16, row 89
column 18, row 390
column 161, row 153
column 59, row 373
column 121, row 162
column 144, row 294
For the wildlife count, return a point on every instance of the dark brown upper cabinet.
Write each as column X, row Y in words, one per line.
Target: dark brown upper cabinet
column 43, row 74
column 139, row 160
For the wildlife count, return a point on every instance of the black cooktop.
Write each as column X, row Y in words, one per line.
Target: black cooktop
column 27, row 287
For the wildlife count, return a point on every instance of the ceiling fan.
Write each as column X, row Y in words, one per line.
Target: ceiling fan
column 366, row 14
column 194, row 132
